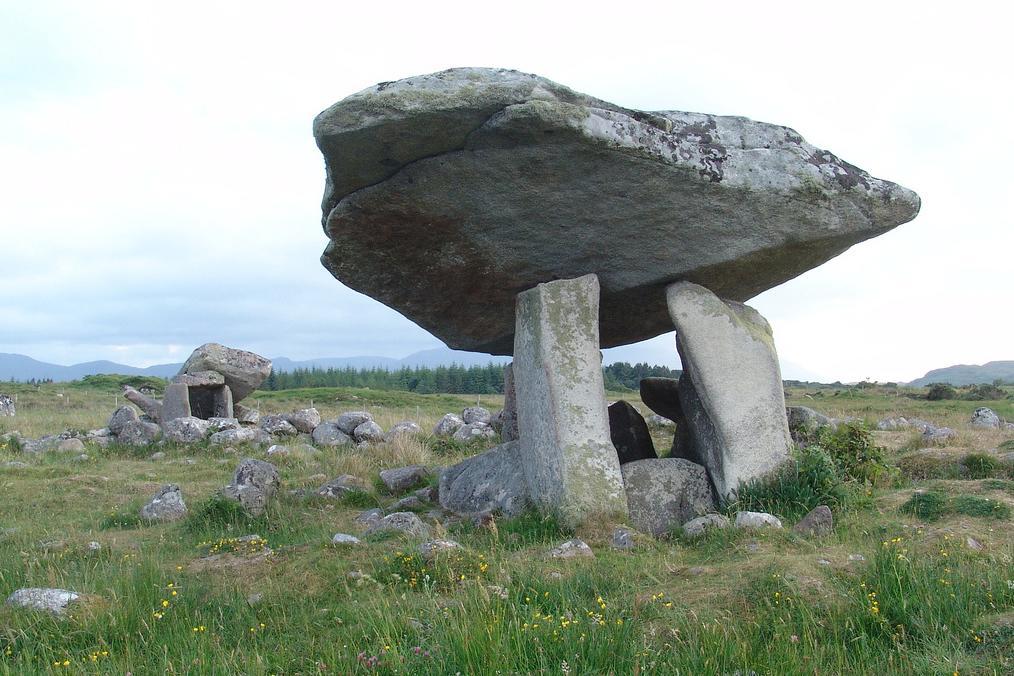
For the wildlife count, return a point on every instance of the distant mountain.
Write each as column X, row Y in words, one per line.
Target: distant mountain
column 19, row 367
column 968, row 374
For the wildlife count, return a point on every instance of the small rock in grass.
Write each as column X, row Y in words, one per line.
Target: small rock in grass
column 430, row 549
column 344, row 539
column 71, row 446
column 370, row 516
column 54, row 601
column 973, row 544
column 342, row 486
column 572, row 549
column 757, row 520
column 856, row 558
column 702, row 524
column 94, row 546
column 166, row 505
column 817, row 523
column 404, row 428
column 278, row 450
column 408, row 503
column 406, row 523
column 158, row 455
column 623, row 538
column 401, row 479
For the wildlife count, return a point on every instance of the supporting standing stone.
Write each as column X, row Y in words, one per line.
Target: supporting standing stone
column 176, row 402
column 731, row 387
column 569, row 462
column 223, row 406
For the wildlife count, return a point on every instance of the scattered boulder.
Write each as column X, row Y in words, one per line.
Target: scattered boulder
column 341, row 486
column 448, row 425
column 328, row 434
column 216, row 424
column 476, row 430
column 345, row 540
column 664, row 493
column 476, row 414
column 623, row 538
column 370, row 516
column 232, row 437
column 572, row 549
column 55, row 601
column 253, row 485
column 71, row 445
column 661, row 395
column 406, row 523
column 739, row 206
column 277, row 425
column 893, row 424
column 166, row 505
column 757, row 520
column 404, row 428
column 120, row 418
column 151, row 408
column 400, row 479
column 138, row 433
column 278, row 450
column 986, row 418
column 817, row 523
column 7, row 407
column 493, row 481
column 348, row 422
column 431, row 549
column 243, row 371
column 369, row 432
column 804, row 423
column 629, row 433
column 702, row 524
column 245, row 415
column 187, row 430
column 304, row 420
column 738, row 425
column 934, row 435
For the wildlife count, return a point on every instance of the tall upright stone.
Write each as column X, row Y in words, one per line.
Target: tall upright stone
column 731, row 388
column 176, row 402
column 569, row 462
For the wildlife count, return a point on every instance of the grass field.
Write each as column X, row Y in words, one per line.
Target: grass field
column 898, row 587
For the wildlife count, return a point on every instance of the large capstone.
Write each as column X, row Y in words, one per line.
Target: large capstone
column 569, row 461
column 461, row 189
column 242, row 371
column 731, row 387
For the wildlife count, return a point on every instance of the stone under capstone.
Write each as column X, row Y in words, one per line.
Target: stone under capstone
column 464, row 188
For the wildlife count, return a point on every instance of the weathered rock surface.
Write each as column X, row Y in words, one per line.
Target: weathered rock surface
column 304, row 420
column 72, row 445
column 176, row 402
column 187, row 430
column 757, row 520
column 736, row 416
column 368, row 431
column 246, row 415
column 431, row 549
column 804, row 423
column 404, row 428
column 493, row 481
column 151, row 408
column 234, row 436
column 345, row 540
column 329, row 434
column 138, row 433
column 120, row 418
column 474, row 430
column 400, row 479
column 448, row 425
column 348, row 422
column 629, row 433
column 55, row 601
column 818, row 522
column 474, row 414
column 277, row 425
column 468, row 186
column 341, row 486
column 406, row 523
column 253, row 485
column 166, row 505
column 568, row 459
column 243, row 371
column 572, row 549
column 986, row 418
column 702, row 524
column 664, row 493
column 7, row 406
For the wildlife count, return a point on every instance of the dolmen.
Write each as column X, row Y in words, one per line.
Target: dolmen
column 576, row 224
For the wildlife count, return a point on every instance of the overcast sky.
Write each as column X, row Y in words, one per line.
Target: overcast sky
column 160, row 187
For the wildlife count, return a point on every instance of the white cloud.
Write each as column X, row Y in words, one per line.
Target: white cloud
column 161, row 185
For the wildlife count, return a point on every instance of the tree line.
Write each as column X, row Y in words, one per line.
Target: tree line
column 453, row 379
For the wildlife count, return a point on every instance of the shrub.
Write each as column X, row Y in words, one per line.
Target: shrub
column 812, row 478
column 930, row 505
column 981, row 466
column 220, row 513
column 973, row 505
column 983, row 393
column 852, row 448
column 938, row 391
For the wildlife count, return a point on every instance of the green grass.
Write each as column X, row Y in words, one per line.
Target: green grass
column 763, row 602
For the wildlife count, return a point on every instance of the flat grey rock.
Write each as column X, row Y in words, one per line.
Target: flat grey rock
column 493, row 481
column 664, row 493
column 468, row 186
column 400, row 479
column 345, row 540
column 138, row 433
column 166, row 505
column 328, row 434
column 572, row 549
column 702, row 524
column 55, row 601
column 757, row 520
column 406, row 523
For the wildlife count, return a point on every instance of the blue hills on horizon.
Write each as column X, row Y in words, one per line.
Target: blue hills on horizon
column 21, row 368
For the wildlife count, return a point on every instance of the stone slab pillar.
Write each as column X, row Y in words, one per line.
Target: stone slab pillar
column 223, row 406
column 731, row 388
column 176, row 402
column 570, row 465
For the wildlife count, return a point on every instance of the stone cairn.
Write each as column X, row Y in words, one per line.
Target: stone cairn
column 578, row 225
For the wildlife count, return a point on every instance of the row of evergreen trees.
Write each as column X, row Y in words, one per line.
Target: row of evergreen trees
column 454, row 379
